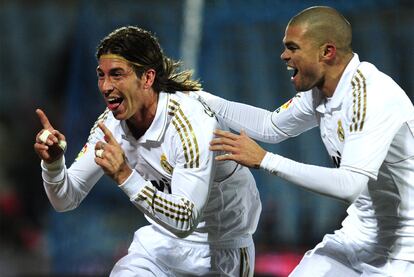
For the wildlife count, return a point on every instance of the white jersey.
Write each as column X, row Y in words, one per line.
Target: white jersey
column 176, row 181
column 367, row 127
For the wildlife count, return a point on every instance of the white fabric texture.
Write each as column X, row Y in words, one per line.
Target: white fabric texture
column 176, row 182
column 154, row 252
column 336, row 182
column 367, row 129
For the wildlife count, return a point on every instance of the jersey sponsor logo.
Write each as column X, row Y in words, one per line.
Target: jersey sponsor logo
column 359, row 106
column 187, row 136
column 340, row 131
column 162, row 185
column 165, row 165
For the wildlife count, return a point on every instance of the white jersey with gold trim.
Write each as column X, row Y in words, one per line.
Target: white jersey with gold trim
column 176, row 181
column 368, row 128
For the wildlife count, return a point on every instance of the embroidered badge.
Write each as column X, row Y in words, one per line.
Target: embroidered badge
column 165, row 165
column 340, row 131
column 287, row 104
column 284, row 106
column 82, row 152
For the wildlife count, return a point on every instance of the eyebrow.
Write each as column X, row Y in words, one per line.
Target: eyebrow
column 111, row 70
column 290, row 43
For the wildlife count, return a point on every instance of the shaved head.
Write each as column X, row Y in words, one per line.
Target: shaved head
column 325, row 25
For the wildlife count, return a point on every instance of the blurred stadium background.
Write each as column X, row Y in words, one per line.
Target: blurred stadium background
column 47, row 60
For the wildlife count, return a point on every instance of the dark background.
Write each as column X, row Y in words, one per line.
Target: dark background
column 47, row 60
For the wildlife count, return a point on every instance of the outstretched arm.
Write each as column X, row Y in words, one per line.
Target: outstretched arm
column 292, row 118
column 335, row 182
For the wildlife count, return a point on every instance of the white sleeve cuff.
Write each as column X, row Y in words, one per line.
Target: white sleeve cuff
column 59, row 164
column 271, row 162
column 53, row 172
column 133, row 184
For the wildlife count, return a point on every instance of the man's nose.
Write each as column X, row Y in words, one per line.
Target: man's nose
column 284, row 55
column 107, row 85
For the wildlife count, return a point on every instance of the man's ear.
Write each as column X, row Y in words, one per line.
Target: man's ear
column 149, row 77
column 328, row 51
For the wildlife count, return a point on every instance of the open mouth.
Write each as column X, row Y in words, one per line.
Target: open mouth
column 114, row 102
column 293, row 71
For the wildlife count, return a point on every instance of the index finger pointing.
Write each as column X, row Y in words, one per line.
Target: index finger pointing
column 109, row 137
column 43, row 119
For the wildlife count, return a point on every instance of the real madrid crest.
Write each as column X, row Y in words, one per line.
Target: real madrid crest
column 340, row 131
column 165, row 165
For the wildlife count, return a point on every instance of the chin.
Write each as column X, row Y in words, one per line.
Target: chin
column 303, row 88
column 118, row 115
column 298, row 88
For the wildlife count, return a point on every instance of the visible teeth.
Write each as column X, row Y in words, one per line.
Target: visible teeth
column 114, row 99
column 290, row 68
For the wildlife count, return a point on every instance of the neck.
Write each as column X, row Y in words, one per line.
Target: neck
column 333, row 76
column 143, row 118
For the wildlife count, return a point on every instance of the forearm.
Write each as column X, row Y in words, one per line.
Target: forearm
column 57, row 186
column 255, row 121
column 335, row 182
column 173, row 212
column 66, row 188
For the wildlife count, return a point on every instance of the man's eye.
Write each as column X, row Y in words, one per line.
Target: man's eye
column 117, row 74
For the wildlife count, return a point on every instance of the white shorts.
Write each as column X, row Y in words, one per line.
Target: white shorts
column 336, row 256
column 152, row 253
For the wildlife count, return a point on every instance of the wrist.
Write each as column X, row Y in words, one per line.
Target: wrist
column 133, row 184
column 53, row 166
column 123, row 175
column 260, row 158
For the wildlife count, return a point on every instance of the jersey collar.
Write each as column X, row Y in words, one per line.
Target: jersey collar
column 158, row 126
column 341, row 89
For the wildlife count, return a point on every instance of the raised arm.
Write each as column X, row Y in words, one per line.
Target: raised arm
column 65, row 188
column 49, row 144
